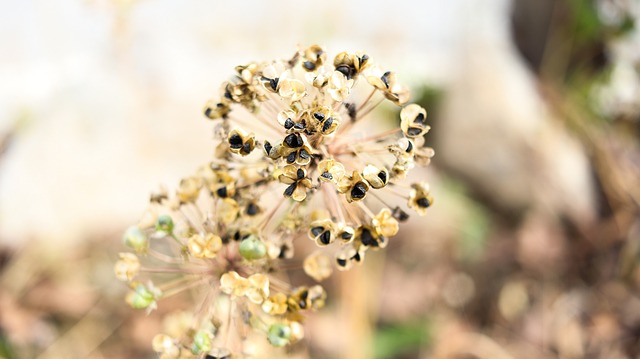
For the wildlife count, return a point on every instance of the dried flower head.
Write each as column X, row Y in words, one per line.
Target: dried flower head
column 297, row 152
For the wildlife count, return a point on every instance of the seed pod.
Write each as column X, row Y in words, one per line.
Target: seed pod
column 313, row 57
column 164, row 224
column 127, row 267
column 346, row 234
column 240, row 142
column 201, row 342
column 279, row 334
column 204, row 247
column 419, row 198
column 413, row 121
column 252, row 248
column 318, row 266
column 291, row 89
column 142, row 296
column 275, row 305
column 189, row 189
column 216, row 110
column 343, row 63
column 136, row 239
column 385, row 224
column 299, row 299
column 321, row 231
column 348, row 255
column 258, row 289
column 228, row 210
column 354, row 187
column 330, row 171
column 400, row 214
column 376, row 177
column 370, row 238
column 298, row 182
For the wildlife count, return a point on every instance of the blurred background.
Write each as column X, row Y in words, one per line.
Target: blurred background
column 531, row 250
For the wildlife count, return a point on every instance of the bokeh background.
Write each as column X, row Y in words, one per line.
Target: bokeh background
column 530, row 251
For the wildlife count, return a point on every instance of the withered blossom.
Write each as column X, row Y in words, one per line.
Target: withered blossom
column 323, row 167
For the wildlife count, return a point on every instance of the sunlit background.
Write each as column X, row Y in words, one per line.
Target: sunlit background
column 531, row 249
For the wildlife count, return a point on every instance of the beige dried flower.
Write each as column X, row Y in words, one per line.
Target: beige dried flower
column 297, row 151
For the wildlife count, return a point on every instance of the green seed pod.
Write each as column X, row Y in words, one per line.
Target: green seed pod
column 136, row 239
column 201, row 342
column 279, row 335
column 252, row 248
column 164, row 224
column 141, row 297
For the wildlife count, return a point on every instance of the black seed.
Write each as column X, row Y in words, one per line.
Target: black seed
column 304, row 154
column 420, row 119
column 325, row 238
column 414, row 131
column 300, row 125
column 227, row 94
column 246, row 148
column 289, row 190
column 367, row 239
column 327, row 124
column 385, row 78
column 302, row 304
column 319, row 116
column 235, row 141
column 294, row 140
column 288, row 123
column 327, row 175
column 423, row 202
column 207, row 111
column 252, row 209
column 236, row 236
column 345, row 70
column 399, row 214
column 222, row 192
column 346, row 236
column 267, row 147
column 309, row 65
column 316, row 231
column 409, row 147
column 300, row 173
column 357, row 257
column 383, row 176
column 341, row 262
column 365, row 57
column 291, row 158
column 358, row 191
column 274, row 83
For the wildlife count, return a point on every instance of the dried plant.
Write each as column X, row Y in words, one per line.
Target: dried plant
column 297, row 155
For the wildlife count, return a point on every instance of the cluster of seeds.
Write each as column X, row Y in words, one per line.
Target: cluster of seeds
column 297, row 155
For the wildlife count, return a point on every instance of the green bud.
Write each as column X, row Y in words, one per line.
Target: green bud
column 136, row 239
column 251, row 248
column 279, row 335
column 164, row 224
column 201, row 342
